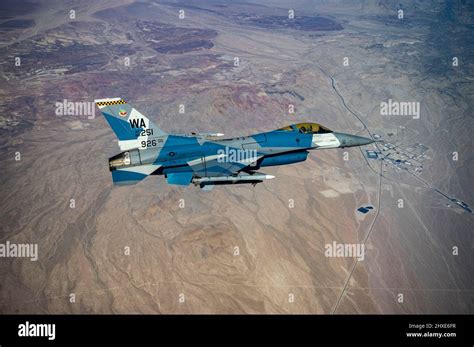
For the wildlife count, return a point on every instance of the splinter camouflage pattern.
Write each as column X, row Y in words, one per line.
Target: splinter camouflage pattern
column 206, row 159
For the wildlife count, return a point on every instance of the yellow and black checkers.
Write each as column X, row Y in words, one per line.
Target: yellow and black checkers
column 103, row 103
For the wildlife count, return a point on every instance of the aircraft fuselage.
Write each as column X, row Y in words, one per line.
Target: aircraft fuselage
column 207, row 159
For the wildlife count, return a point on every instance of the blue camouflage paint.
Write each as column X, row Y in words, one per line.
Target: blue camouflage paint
column 199, row 158
column 182, row 178
column 284, row 159
column 121, row 177
column 122, row 128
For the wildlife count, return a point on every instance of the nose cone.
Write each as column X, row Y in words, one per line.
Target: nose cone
column 347, row 140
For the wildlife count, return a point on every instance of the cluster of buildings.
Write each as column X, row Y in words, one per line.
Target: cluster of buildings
column 409, row 157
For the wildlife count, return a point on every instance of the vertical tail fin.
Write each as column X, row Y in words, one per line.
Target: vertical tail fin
column 130, row 126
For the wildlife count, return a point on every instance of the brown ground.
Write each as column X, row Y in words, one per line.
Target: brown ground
column 190, row 251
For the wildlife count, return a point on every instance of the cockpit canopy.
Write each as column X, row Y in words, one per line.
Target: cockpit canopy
column 307, row 128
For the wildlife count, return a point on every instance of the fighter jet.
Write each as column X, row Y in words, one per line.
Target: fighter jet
column 207, row 160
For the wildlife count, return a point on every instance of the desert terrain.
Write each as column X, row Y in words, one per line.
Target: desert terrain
column 238, row 68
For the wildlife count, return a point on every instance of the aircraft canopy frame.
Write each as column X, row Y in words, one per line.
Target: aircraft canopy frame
column 307, row 128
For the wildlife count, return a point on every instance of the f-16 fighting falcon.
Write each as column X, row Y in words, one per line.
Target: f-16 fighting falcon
column 207, row 160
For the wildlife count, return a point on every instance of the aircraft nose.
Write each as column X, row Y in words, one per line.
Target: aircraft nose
column 347, row 140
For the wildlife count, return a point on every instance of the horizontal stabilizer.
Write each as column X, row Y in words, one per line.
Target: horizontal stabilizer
column 125, row 178
column 132, row 175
